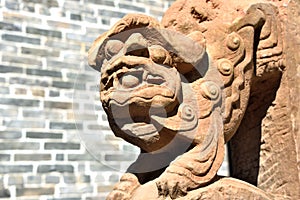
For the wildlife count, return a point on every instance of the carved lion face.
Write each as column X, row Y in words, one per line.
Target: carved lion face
column 141, row 85
column 138, row 81
column 140, row 75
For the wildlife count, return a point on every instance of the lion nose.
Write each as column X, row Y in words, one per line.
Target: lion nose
column 136, row 45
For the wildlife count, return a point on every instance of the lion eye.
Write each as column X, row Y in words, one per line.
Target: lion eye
column 159, row 55
column 131, row 79
column 112, row 48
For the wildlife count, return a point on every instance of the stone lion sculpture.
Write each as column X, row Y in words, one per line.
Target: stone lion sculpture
column 180, row 90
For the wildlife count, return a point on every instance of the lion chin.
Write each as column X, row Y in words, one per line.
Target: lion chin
column 143, row 125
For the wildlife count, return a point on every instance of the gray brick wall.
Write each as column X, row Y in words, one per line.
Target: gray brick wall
column 55, row 140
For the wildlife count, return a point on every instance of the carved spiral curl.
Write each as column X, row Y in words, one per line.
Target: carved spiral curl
column 210, row 90
column 186, row 112
column 233, row 41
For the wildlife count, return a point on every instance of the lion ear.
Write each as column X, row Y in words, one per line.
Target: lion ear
column 93, row 51
column 250, row 39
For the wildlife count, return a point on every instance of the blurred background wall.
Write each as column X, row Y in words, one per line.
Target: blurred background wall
column 55, row 141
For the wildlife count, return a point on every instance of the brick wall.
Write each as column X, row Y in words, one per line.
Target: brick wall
column 55, row 140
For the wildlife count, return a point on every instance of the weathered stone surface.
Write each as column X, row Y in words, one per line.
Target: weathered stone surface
column 212, row 71
column 293, row 73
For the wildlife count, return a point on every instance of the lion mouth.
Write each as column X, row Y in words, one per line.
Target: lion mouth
column 136, row 87
column 139, row 129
